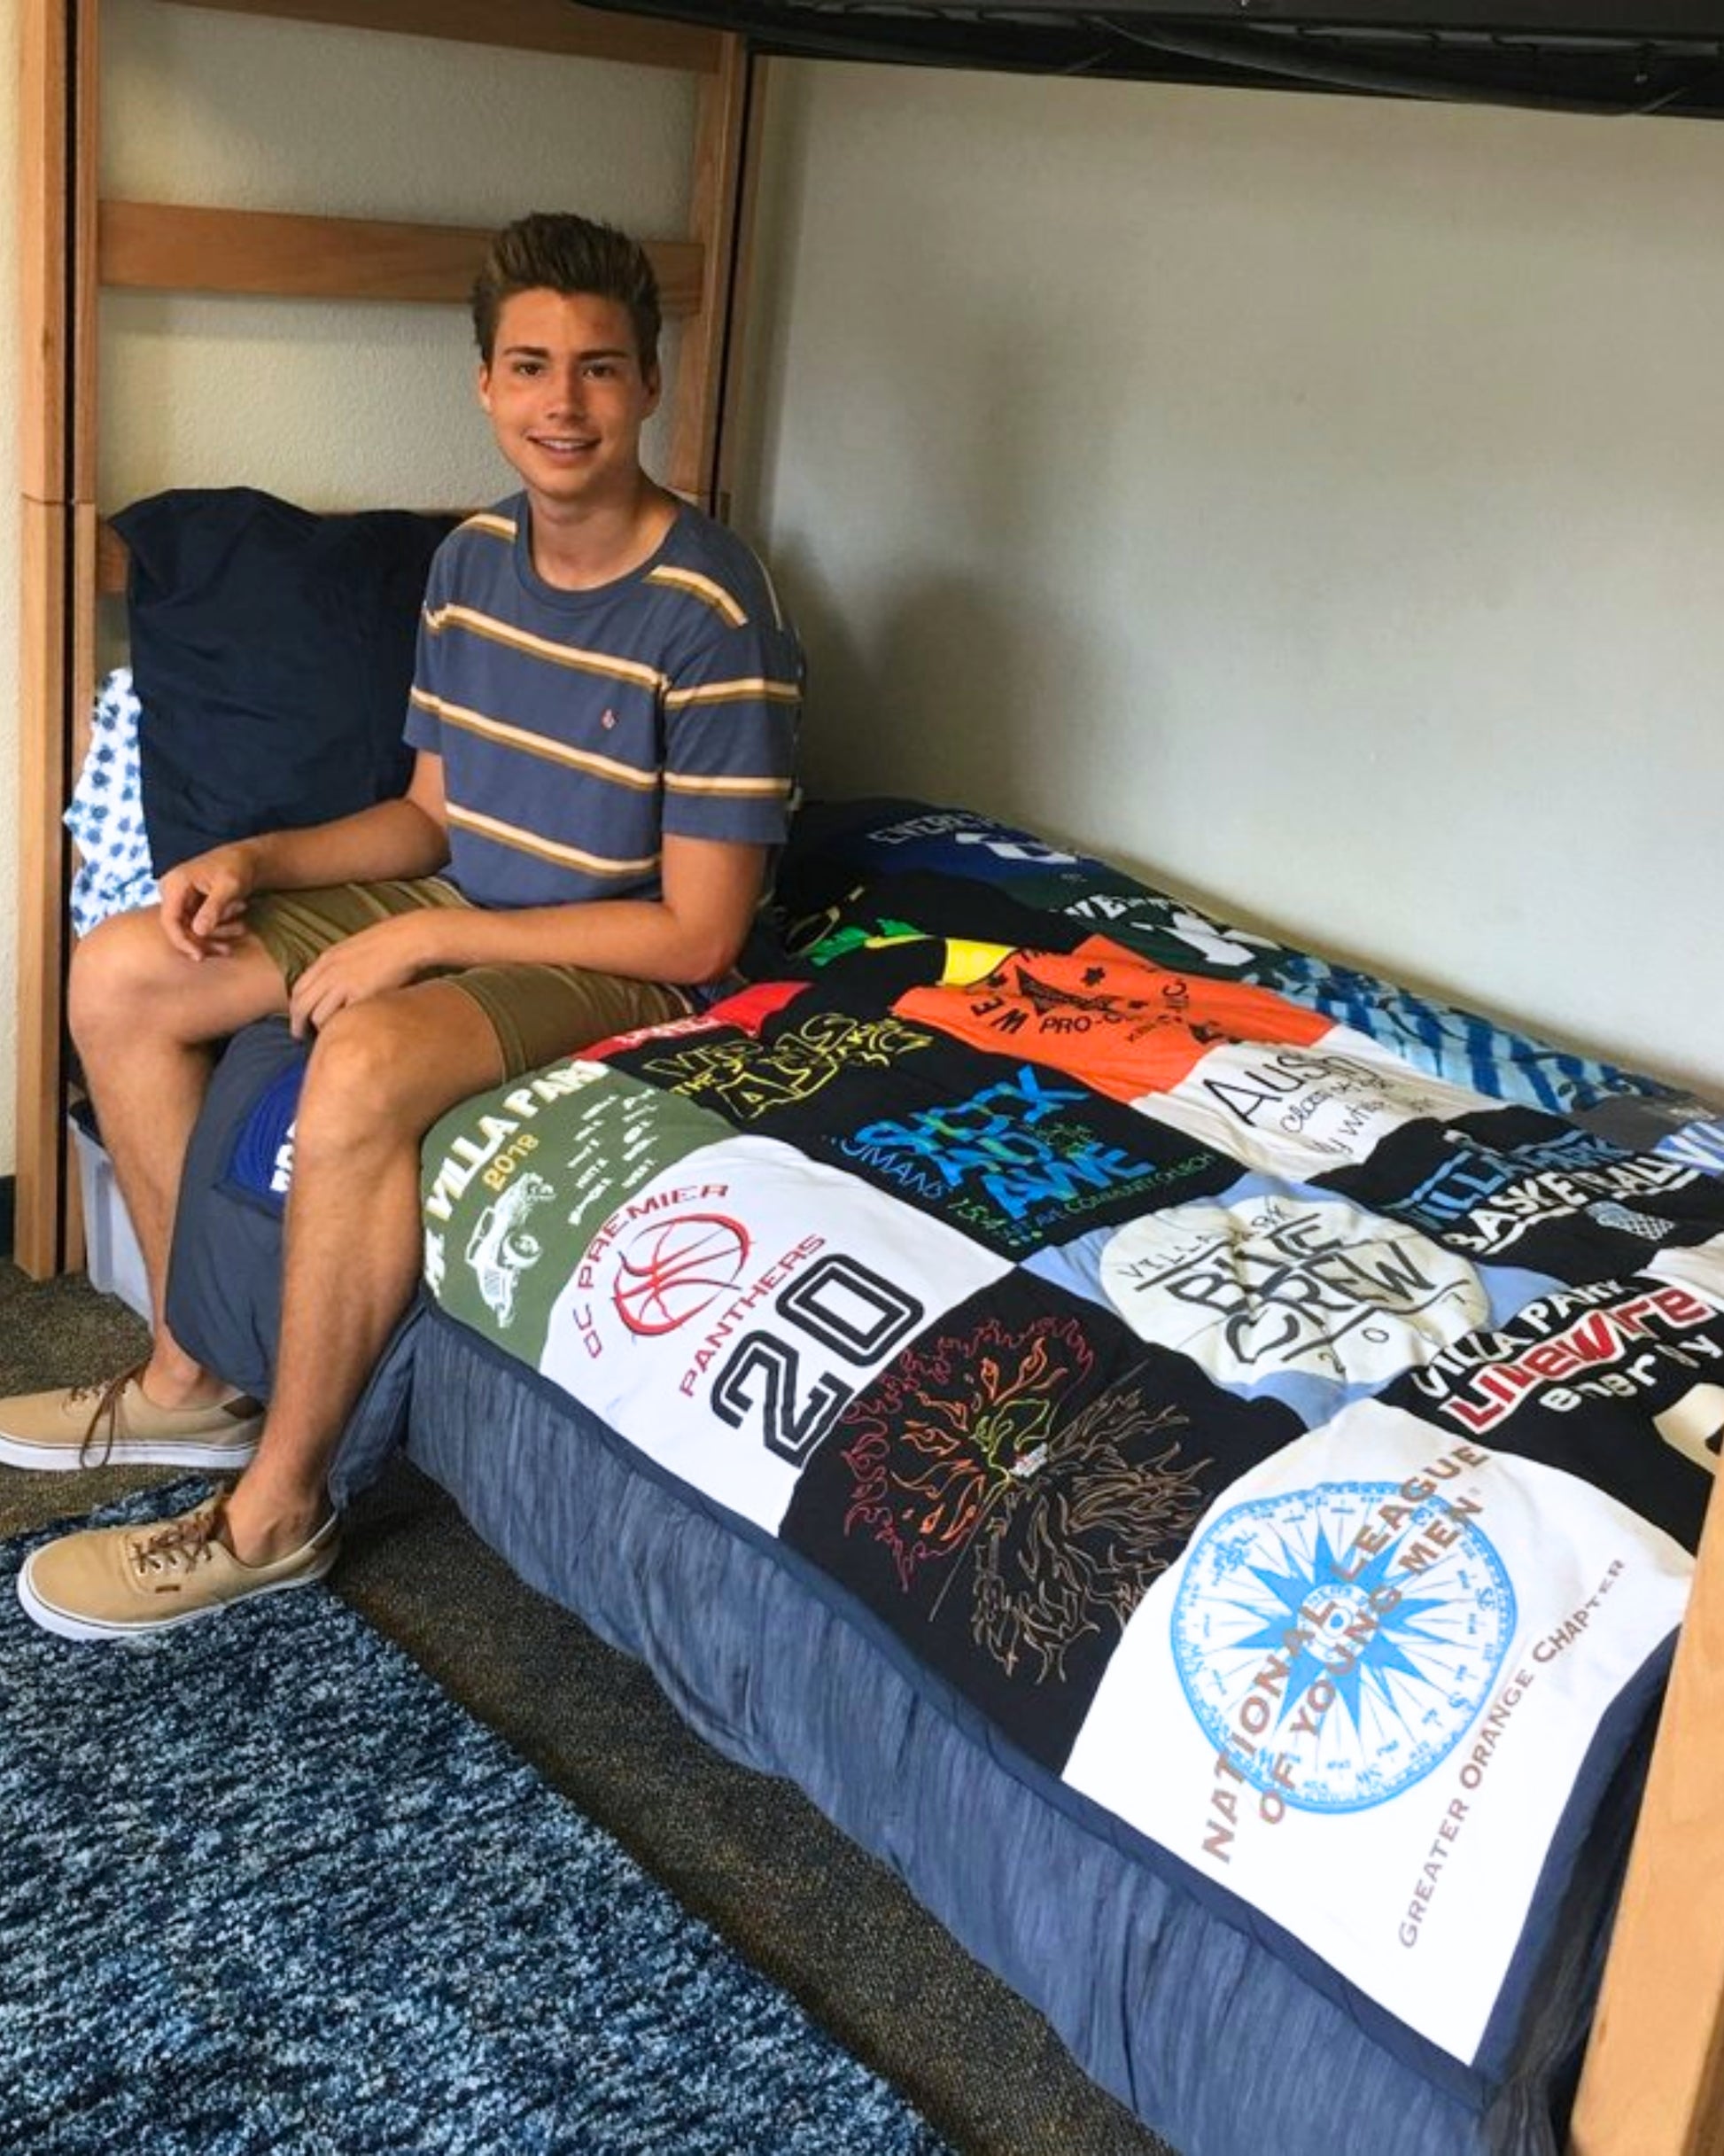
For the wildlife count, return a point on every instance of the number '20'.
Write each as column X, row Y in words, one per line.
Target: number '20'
column 843, row 1305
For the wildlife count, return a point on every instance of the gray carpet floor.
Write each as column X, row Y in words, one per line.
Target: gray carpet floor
column 745, row 1852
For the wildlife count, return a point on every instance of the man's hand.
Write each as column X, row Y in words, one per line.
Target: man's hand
column 203, row 900
column 387, row 955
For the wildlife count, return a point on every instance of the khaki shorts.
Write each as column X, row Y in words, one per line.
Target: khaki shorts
column 537, row 1012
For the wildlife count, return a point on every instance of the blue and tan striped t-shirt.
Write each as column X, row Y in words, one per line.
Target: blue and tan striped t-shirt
column 576, row 727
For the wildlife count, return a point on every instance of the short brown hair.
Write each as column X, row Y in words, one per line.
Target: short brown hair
column 556, row 251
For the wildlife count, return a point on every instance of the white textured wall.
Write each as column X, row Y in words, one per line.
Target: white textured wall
column 1317, row 502
column 333, row 406
column 341, row 406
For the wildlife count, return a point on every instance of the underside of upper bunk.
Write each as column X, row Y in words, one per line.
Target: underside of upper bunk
column 1604, row 55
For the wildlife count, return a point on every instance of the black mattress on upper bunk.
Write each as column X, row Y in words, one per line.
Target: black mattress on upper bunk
column 1606, row 56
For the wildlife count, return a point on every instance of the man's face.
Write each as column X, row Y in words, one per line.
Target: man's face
column 567, row 397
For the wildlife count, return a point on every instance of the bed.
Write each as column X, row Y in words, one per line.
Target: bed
column 1125, row 1438
column 1046, row 1367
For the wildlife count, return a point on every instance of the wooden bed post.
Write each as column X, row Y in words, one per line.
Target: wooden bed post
column 726, row 393
column 57, row 217
column 1654, row 2078
column 726, row 141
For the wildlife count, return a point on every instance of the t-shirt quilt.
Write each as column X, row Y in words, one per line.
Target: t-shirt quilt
column 1290, row 1449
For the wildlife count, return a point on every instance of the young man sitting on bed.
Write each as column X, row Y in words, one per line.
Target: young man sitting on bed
column 603, row 710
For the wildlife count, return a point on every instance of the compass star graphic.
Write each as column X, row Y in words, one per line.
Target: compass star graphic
column 1332, row 1674
column 1333, row 1608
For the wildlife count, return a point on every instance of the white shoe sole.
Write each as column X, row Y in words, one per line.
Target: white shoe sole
column 55, row 1458
column 67, row 1625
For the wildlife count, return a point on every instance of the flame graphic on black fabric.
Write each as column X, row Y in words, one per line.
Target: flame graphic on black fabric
column 956, row 1453
column 949, row 1430
column 1076, row 1548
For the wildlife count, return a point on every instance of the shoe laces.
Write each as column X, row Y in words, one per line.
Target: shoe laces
column 105, row 1415
column 178, row 1546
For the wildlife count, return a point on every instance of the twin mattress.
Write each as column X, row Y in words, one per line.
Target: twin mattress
column 1190, row 1452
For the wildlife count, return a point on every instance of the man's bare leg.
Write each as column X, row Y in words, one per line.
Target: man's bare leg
column 145, row 1020
column 381, row 1074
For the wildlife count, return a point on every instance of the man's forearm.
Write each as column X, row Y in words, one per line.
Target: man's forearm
column 640, row 937
column 394, row 838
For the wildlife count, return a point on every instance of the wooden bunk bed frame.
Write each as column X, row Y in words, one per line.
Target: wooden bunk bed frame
column 1654, row 2079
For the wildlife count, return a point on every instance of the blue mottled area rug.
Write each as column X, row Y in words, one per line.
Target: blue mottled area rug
column 265, row 1889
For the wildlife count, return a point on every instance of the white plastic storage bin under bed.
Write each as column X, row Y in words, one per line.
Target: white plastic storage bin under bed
column 112, row 1255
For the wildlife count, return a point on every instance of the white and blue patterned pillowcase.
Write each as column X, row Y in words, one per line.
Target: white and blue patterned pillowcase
column 105, row 817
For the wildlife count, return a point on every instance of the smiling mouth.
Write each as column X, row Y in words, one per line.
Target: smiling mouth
column 563, row 445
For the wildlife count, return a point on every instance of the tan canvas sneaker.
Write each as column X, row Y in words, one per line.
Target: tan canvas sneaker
column 113, row 1582
column 114, row 1424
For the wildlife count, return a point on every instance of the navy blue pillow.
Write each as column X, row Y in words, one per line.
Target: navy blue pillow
column 272, row 652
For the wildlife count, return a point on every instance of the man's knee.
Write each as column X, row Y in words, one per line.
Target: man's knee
column 129, row 985
column 114, row 970
column 362, row 1084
